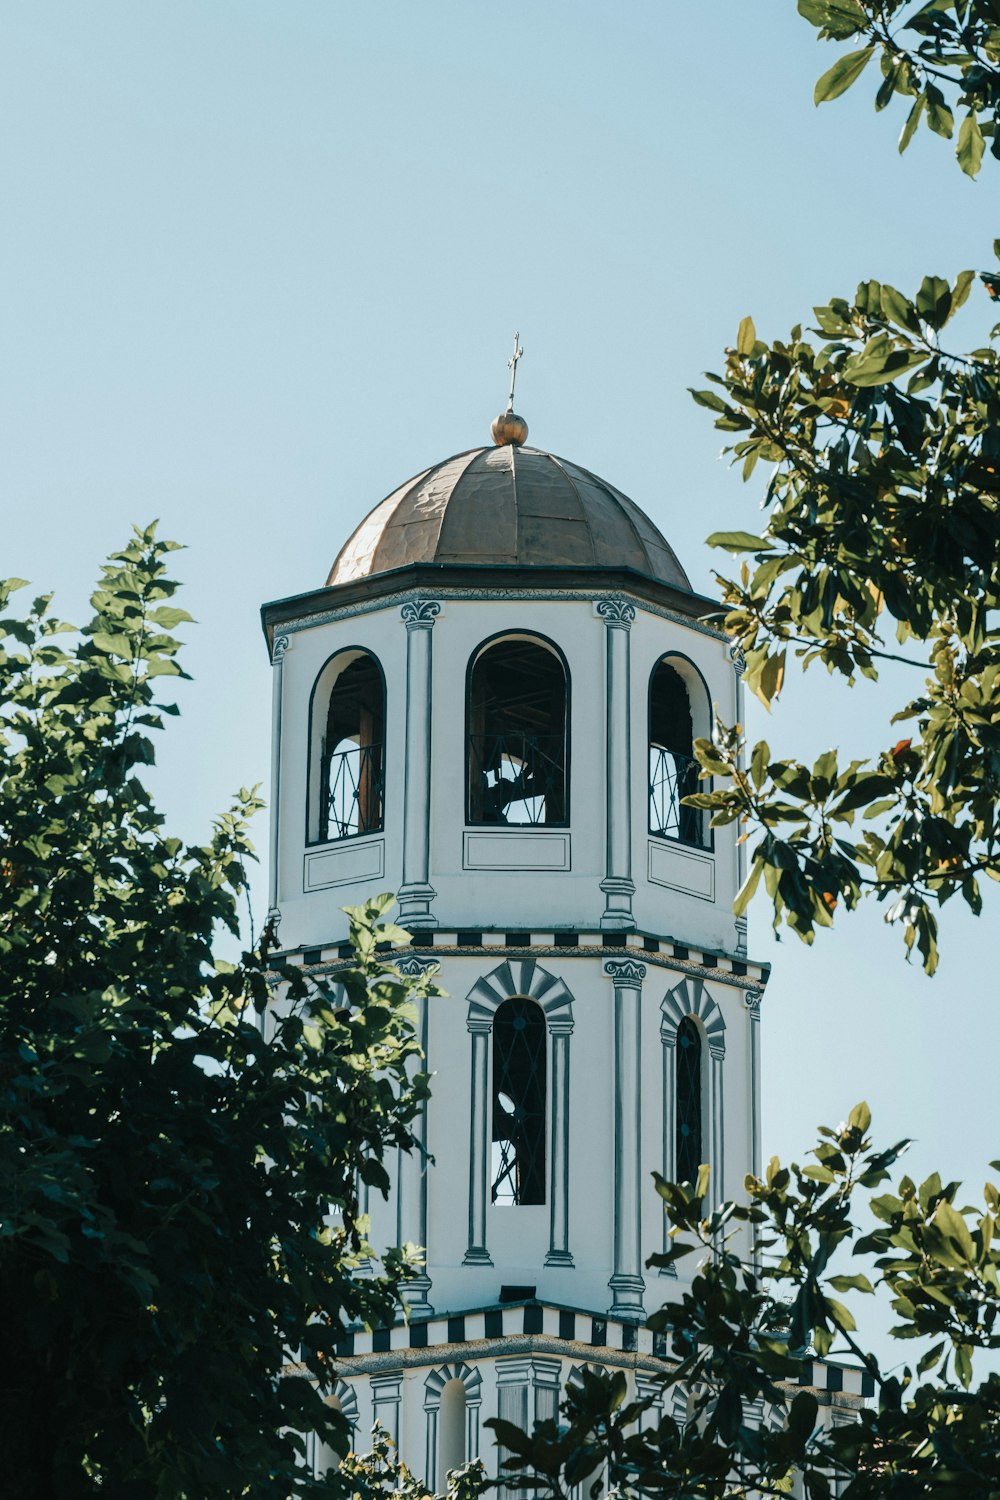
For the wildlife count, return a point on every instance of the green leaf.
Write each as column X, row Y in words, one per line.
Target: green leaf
column 708, row 398
column 746, row 337
column 738, row 541
column 838, row 79
column 939, row 116
column 856, row 1283
column 970, row 145
column 912, row 121
column 745, row 894
column 934, row 301
column 951, row 1224
column 860, row 1118
column 900, row 309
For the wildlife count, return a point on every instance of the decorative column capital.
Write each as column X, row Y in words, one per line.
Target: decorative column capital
column 737, row 658
column 279, row 646
column 625, row 973
column 560, row 1025
column 479, row 1025
column 752, row 1000
column 616, row 612
column 420, row 614
column 415, row 967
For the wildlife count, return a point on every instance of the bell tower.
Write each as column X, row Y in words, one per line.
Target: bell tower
column 490, row 708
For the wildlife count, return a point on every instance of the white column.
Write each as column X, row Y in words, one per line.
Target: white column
column 560, row 1031
column 385, row 1401
column 411, row 1177
column 717, row 1126
column 668, row 1044
column 477, row 1253
column 752, row 999
column 279, row 647
column 617, row 885
column 415, row 893
column 626, row 1283
column 739, row 662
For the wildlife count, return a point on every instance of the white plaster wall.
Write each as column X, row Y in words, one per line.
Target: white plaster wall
column 543, row 1369
column 509, row 899
column 518, row 1237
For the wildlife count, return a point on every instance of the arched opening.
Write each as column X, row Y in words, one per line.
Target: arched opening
column 347, row 780
column 688, row 1153
column 519, row 1065
column 517, row 731
column 678, row 714
column 328, row 1458
column 451, row 1430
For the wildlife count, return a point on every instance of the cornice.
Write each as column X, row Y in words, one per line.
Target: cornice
column 490, row 581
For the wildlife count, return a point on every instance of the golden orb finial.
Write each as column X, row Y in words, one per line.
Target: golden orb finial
column 509, row 428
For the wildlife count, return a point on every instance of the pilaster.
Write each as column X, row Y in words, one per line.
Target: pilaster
column 416, row 894
column 618, row 885
column 411, row 1178
column 627, row 1283
column 279, row 648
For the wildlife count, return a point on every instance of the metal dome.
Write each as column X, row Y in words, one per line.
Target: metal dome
column 507, row 505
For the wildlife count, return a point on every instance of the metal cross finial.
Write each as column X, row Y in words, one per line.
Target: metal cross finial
column 512, row 367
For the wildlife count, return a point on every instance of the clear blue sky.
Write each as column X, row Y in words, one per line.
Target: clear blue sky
column 262, row 261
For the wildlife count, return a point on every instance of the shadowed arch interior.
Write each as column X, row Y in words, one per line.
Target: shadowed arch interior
column 673, row 770
column 517, row 734
column 519, row 1066
column 346, row 738
column 689, row 1154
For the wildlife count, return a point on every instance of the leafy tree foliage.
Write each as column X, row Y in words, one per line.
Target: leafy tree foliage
column 881, row 544
column 928, row 53
column 381, row 1472
column 180, row 1154
column 745, row 1329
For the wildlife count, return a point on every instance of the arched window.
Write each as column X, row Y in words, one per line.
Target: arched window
column 517, row 734
column 518, row 1162
column 673, row 771
column 326, row 1457
column 688, row 1153
column 347, row 772
column 451, row 1429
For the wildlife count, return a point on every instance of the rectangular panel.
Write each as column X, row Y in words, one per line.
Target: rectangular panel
column 533, row 849
column 682, row 869
column 350, row 862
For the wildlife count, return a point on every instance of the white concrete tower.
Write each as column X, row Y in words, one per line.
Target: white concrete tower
column 490, row 708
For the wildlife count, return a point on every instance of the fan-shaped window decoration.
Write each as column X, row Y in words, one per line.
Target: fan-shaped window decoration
column 352, row 748
column 517, row 735
column 518, row 1163
column 673, row 770
column 689, row 1156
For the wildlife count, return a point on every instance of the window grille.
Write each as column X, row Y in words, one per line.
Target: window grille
column 519, row 777
column 519, row 1064
column 688, row 1155
column 352, row 783
column 671, row 778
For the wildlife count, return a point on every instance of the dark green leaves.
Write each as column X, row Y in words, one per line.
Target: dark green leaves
column 746, row 1327
column 882, row 542
column 167, row 1171
column 927, row 53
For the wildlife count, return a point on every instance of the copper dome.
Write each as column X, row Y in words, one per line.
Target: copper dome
column 509, row 505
